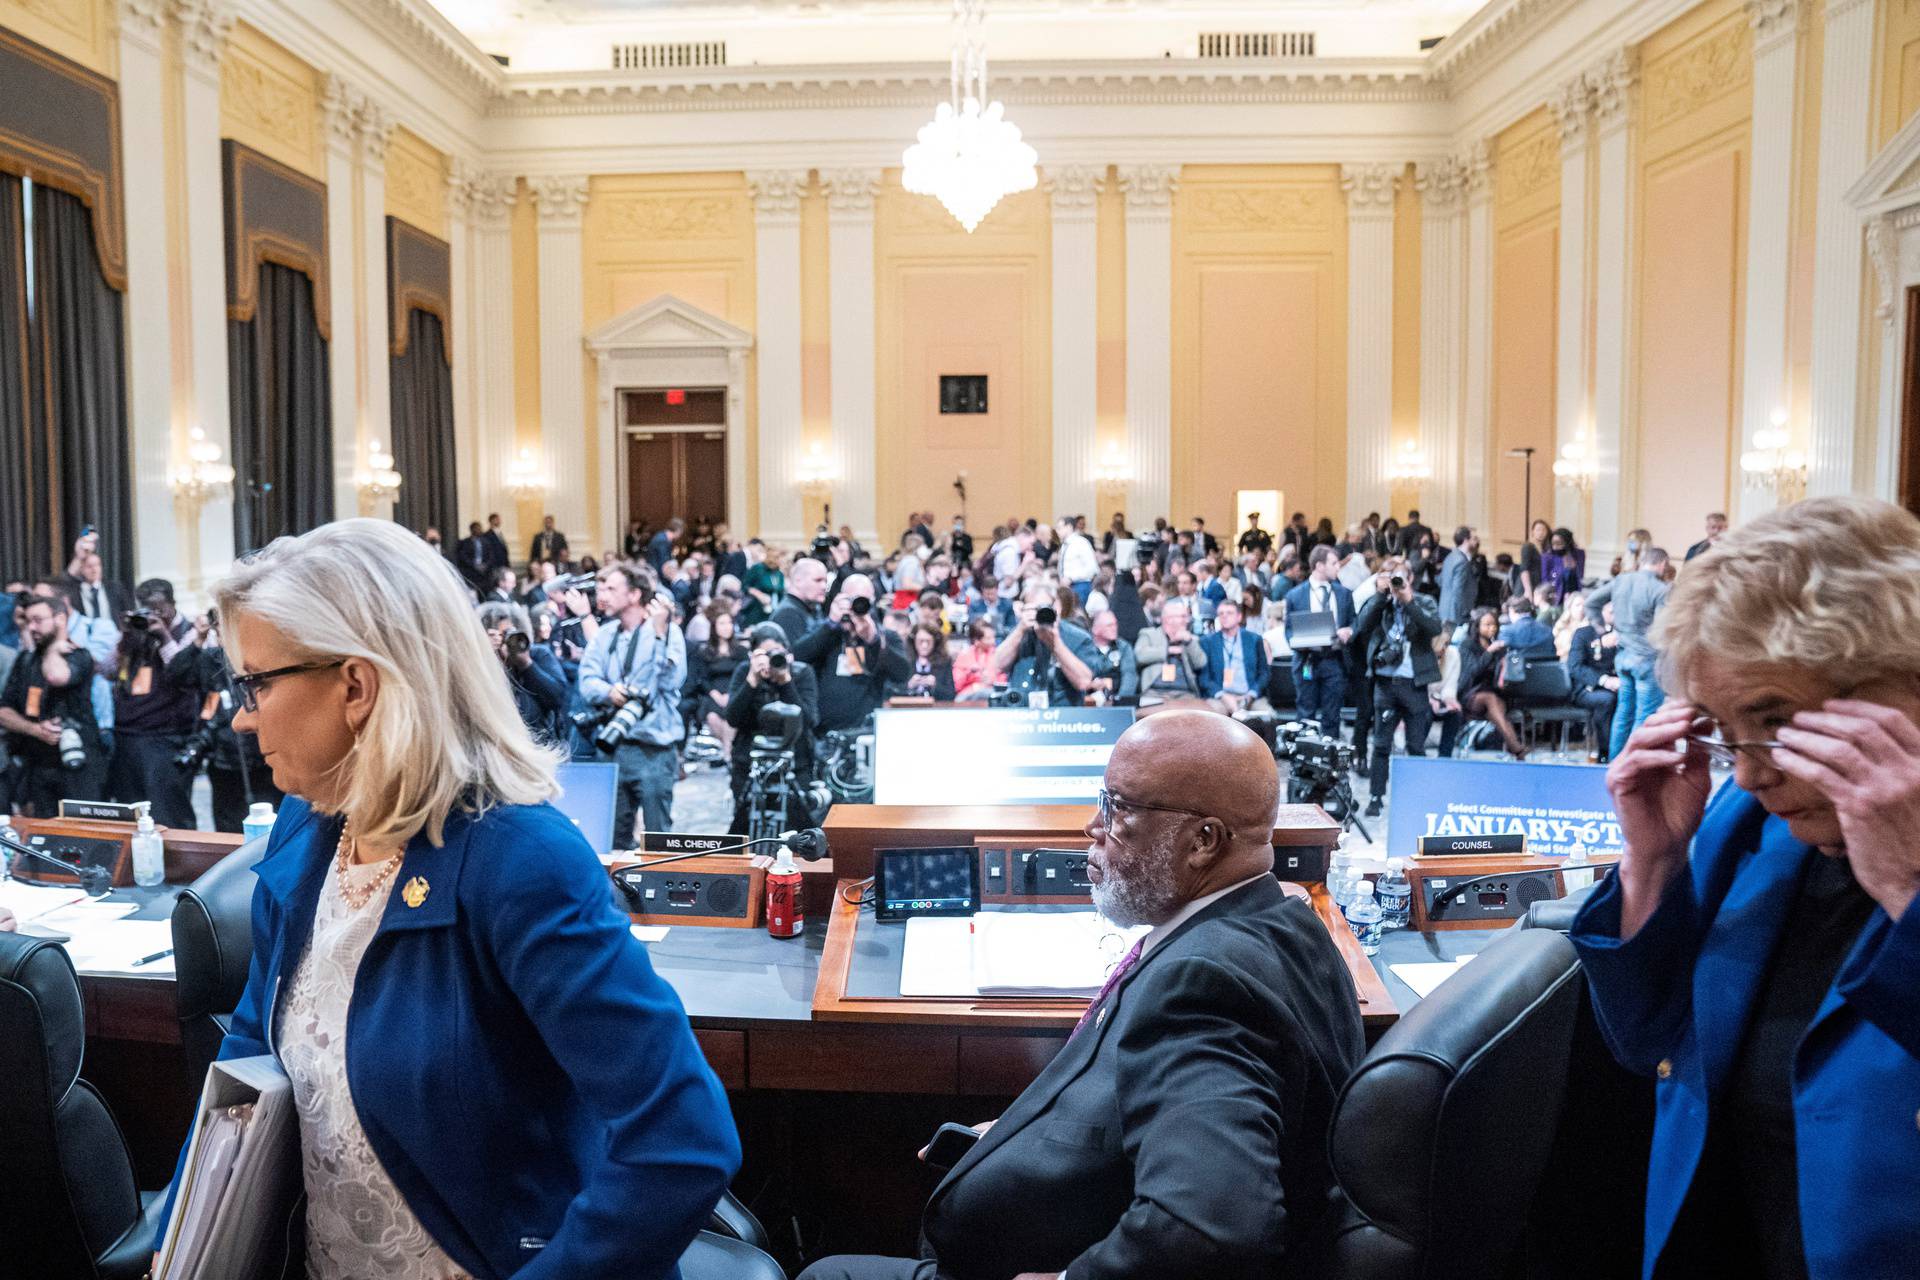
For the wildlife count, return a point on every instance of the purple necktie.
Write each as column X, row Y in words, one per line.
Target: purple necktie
column 1113, row 980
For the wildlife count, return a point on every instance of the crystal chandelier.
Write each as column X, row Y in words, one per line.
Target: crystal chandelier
column 970, row 155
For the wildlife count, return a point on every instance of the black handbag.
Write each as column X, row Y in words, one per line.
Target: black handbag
column 1513, row 668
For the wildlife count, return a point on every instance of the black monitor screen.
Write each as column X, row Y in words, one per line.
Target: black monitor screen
column 926, row 882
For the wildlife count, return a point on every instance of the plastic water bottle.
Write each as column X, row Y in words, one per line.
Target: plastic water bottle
column 149, row 855
column 259, row 822
column 1337, row 867
column 1363, row 917
column 1396, row 895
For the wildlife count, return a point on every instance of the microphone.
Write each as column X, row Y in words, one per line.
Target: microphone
column 94, row 881
column 809, row 843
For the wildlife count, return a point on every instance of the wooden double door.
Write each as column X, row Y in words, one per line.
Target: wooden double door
column 676, row 456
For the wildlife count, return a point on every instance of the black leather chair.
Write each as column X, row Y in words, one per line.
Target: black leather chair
column 1443, row 1133
column 70, row 1209
column 212, row 949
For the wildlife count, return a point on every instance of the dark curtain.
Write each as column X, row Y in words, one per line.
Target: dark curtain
column 79, row 360
column 20, row 495
column 282, row 413
column 423, row 427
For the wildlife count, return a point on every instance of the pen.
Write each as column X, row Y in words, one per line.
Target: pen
column 158, row 955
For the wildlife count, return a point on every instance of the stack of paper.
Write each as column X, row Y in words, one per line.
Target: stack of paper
column 242, row 1172
column 112, row 948
column 27, row 901
column 1007, row 953
column 1426, row 978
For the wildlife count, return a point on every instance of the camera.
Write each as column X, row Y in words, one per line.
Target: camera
column 823, row 545
column 615, row 724
column 73, row 752
column 517, row 644
column 1046, row 616
column 194, row 751
column 1146, row 547
column 1309, row 752
column 777, row 659
column 137, row 621
column 1397, row 582
column 860, row 607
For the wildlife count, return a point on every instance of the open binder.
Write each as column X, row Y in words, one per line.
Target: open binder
column 241, row 1179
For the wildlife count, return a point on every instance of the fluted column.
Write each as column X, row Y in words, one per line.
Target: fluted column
column 560, row 203
column 1613, row 106
column 1846, row 96
column 374, row 127
column 1370, row 193
column 850, row 328
column 460, row 338
column 340, row 107
column 1149, row 212
column 495, row 429
column 776, row 236
column 203, row 26
column 1477, row 414
column 1075, row 190
column 1572, row 109
column 1442, row 187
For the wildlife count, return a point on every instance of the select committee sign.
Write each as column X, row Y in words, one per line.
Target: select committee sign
column 1559, row 808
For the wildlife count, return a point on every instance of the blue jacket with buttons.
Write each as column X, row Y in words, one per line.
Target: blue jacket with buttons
column 1674, row 1003
column 528, row 1082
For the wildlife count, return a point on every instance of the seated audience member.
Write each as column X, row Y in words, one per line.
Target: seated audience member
column 418, row 801
column 932, row 674
column 1481, row 655
column 1116, row 673
column 156, row 701
column 540, row 688
column 1757, row 952
column 769, row 675
column 1393, row 637
column 1182, row 1131
column 710, row 667
column 1571, row 619
column 976, row 678
column 930, row 610
column 47, row 710
column 1054, row 658
column 1525, row 634
column 761, row 581
column 1253, row 609
column 853, row 657
column 1595, row 686
column 1443, row 695
column 1172, row 663
column 1236, row 670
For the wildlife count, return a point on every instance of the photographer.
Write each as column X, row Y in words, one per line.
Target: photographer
column 47, row 707
column 156, row 687
column 851, row 655
column 237, row 772
column 1395, row 633
column 1045, row 655
column 768, row 675
column 641, row 659
column 538, row 682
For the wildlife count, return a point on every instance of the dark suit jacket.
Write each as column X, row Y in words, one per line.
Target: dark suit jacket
column 118, row 599
column 1184, row 1133
column 1300, row 600
column 498, row 557
column 1423, row 624
column 1253, row 660
column 472, row 559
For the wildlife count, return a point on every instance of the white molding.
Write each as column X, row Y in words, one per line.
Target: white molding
column 1370, row 190
column 1074, row 196
column 1765, row 376
column 1442, row 187
column 1488, row 35
column 1149, row 191
column 1613, row 272
column 563, row 410
column 1572, row 110
column 852, row 356
column 777, row 323
column 1476, row 428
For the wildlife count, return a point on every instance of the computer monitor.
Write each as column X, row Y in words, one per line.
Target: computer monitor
column 994, row 756
column 586, row 796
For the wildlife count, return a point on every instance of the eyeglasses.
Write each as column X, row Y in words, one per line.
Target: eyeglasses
column 1107, row 803
column 248, row 686
column 1726, row 754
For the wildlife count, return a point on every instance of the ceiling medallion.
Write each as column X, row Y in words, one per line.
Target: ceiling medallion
column 969, row 156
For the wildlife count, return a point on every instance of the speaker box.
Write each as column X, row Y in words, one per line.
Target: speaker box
column 1483, row 893
column 721, row 890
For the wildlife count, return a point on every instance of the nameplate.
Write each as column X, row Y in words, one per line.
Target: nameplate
column 690, row 842
column 99, row 811
column 1471, row 846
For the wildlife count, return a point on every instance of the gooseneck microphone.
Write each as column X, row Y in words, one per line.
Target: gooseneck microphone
column 809, row 843
column 94, row 881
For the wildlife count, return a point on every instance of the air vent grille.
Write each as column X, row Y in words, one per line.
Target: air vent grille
column 1256, row 44
column 649, row 57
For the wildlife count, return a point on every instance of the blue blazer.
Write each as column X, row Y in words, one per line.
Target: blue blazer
column 1674, row 1002
column 1253, row 659
column 1300, row 600
column 529, row 1083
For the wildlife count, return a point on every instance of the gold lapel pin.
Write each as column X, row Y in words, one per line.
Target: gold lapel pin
column 415, row 891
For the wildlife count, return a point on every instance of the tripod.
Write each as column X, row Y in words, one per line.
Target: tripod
column 1332, row 791
column 769, row 785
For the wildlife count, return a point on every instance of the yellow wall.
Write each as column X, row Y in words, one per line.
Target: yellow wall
column 417, row 183
column 1898, row 40
column 951, row 303
column 82, row 30
column 526, row 347
column 270, row 101
column 1259, row 339
column 1693, row 150
column 685, row 234
column 1526, row 264
column 1406, row 333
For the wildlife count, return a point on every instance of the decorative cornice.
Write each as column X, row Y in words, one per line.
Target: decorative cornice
column 1494, row 30
column 1075, row 188
column 850, row 191
column 340, row 105
column 560, row 200
column 1612, row 80
column 491, row 197
column 1841, row 8
column 1370, row 187
column 420, row 29
column 1572, row 109
column 1774, row 23
column 1442, row 184
column 1149, row 188
column 204, row 27
column 777, row 192
column 142, row 20
column 1476, row 170
column 373, row 125
column 840, row 87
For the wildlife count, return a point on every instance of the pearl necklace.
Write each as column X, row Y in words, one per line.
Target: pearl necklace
column 342, row 858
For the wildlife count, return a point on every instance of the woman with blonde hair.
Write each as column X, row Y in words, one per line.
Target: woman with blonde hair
column 489, row 1078
column 1757, row 951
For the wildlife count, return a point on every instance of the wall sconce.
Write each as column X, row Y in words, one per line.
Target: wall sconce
column 379, row 480
column 523, row 477
column 816, row 472
column 1409, row 465
column 204, row 476
column 1578, row 466
column 1770, row 464
column 1112, row 472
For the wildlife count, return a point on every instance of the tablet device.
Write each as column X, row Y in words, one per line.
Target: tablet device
column 587, row 797
column 1311, row 630
column 936, row 881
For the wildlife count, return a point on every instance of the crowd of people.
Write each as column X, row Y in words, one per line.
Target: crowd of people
column 663, row 653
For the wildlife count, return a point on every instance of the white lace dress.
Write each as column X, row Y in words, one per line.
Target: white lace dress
column 358, row 1225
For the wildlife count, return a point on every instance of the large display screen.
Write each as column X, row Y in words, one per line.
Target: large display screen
column 999, row 755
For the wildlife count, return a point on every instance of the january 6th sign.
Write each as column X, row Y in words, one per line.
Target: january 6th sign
column 1559, row 808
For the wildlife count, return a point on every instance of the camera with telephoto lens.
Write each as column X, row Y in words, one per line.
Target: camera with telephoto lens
column 620, row 723
column 194, row 751
column 1046, row 616
column 823, row 545
column 1397, row 582
column 73, row 752
column 582, row 582
column 137, row 621
column 1146, row 547
column 860, row 607
column 517, row 644
column 777, row 659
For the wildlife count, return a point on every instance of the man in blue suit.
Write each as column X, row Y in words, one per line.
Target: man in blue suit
column 1320, row 674
column 1236, row 670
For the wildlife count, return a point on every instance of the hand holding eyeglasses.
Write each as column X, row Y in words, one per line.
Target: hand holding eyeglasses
column 1865, row 757
column 1660, row 787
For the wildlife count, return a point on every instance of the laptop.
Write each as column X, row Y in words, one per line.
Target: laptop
column 1312, row 630
column 587, row 796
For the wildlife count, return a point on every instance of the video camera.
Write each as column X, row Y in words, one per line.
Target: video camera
column 1318, row 769
column 608, row 725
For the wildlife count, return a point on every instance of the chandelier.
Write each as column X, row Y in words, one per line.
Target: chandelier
column 205, row 475
column 1773, row 463
column 969, row 155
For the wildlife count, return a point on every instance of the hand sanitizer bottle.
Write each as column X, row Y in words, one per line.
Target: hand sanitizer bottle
column 149, row 856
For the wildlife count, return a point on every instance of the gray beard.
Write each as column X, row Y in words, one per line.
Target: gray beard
column 1147, row 895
